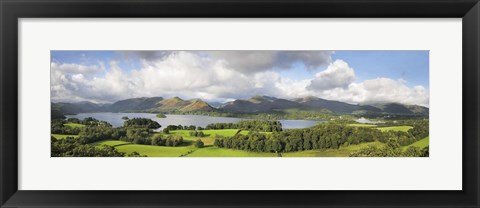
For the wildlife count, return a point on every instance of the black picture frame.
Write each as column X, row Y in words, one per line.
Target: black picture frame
column 11, row 10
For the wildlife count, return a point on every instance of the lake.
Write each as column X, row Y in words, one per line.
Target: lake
column 116, row 119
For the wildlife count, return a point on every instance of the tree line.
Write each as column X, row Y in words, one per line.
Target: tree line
column 71, row 147
column 136, row 130
column 391, row 149
column 180, row 127
column 89, row 121
column 320, row 137
column 250, row 125
column 142, row 123
column 57, row 127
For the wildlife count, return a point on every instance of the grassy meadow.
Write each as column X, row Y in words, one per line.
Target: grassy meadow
column 189, row 149
column 211, row 151
column 74, row 125
column 63, row 136
column 395, row 128
column 420, row 143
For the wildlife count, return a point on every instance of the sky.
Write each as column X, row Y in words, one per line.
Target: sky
column 357, row 77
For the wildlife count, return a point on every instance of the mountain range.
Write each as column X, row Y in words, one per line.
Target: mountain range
column 256, row 104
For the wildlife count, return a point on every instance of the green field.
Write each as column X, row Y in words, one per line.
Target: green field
column 209, row 137
column 222, row 132
column 210, row 151
column 395, row 128
column 148, row 150
column 343, row 151
column 155, row 151
column 221, row 152
column 362, row 125
column 420, row 143
column 110, row 143
column 74, row 125
column 63, row 136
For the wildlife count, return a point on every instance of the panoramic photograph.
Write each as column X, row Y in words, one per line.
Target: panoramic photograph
column 239, row 103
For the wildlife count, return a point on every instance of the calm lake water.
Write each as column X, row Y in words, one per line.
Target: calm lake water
column 116, row 119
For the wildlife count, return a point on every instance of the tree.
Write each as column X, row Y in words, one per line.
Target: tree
column 166, row 131
column 157, row 140
column 199, row 143
column 142, row 123
column 413, row 152
column 135, row 154
column 218, row 143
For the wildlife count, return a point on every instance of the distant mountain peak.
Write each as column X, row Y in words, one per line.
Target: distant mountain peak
column 261, row 98
column 255, row 104
column 176, row 98
column 310, row 98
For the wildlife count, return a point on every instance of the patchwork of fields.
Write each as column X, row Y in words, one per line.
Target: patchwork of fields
column 189, row 150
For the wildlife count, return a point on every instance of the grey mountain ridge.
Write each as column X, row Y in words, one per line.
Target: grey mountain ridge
column 256, row 104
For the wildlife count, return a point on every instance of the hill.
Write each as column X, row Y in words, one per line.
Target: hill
column 259, row 104
column 134, row 104
column 256, row 104
column 334, row 106
column 74, row 108
column 401, row 109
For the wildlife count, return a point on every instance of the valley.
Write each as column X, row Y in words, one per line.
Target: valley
column 326, row 139
column 261, row 126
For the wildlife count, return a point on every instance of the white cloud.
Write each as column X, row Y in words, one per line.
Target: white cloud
column 185, row 74
column 194, row 75
column 337, row 83
column 258, row 61
column 77, row 68
column 338, row 74
column 379, row 90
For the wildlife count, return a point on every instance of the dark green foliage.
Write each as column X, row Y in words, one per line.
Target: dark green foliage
column 171, row 141
column 56, row 114
column 74, row 120
column 325, row 136
column 57, row 127
column 426, row 151
column 166, row 131
column 199, row 143
column 175, row 127
column 391, row 149
column 221, row 126
column 142, row 123
column 191, row 127
column 94, row 122
column 97, row 133
column 197, row 134
column 70, row 147
column 89, row 121
column 250, row 125
column 135, row 154
column 161, row 115
column 413, row 152
column 218, row 142
column 260, row 125
column 420, row 129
